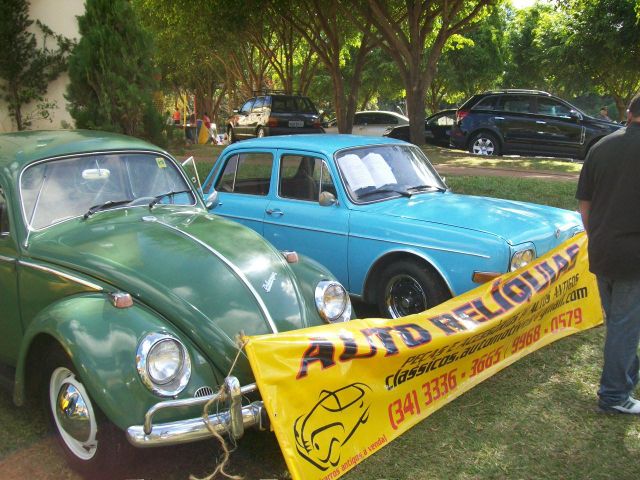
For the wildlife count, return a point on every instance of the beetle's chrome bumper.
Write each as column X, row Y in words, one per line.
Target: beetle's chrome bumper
column 233, row 421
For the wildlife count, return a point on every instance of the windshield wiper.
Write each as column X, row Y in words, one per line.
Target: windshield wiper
column 402, row 193
column 168, row 194
column 105, row 206
column 424, row 188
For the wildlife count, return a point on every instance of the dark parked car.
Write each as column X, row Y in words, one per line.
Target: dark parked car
column 527, row 122
column 274, row 114
column 437, row 128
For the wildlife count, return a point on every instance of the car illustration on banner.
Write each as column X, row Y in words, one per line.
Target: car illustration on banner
column 123, row 298
column 375, row 212
column 331, row 423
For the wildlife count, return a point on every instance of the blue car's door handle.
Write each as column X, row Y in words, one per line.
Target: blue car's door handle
column 276, row 213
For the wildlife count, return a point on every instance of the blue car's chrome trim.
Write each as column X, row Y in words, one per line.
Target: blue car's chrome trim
column 231, row 266
column 417, row 245
column 61, row 274
column 309, row 229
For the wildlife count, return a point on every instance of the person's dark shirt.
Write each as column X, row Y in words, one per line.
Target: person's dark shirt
column 610, row 180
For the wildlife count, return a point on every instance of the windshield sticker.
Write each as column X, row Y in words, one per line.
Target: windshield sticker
column 161, row 163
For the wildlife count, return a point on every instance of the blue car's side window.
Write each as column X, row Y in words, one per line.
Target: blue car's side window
column 248, row 173
column 298, row 177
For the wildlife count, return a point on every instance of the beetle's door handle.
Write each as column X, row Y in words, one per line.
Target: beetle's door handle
column 275, row 213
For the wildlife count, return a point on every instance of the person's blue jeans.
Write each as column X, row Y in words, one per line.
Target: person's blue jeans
column 621, row 304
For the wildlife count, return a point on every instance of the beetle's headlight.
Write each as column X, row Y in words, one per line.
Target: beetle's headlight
column 332, row 302
column 522, row 258
column 163, row 364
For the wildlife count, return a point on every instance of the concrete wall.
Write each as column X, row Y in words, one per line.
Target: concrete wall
column 60, row 16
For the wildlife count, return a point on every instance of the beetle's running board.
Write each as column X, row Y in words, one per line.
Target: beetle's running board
column 233, row 421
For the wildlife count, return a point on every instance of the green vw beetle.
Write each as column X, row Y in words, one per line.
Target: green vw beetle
column 122, row 298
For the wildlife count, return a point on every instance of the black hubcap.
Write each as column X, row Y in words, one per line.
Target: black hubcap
column 404, row 296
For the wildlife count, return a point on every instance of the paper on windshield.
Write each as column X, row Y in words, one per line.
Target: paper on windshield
column 379, row 169
column 370, row 171
column 356, row 172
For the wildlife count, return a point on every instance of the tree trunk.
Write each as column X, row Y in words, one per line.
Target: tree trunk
column 621, row 105
column 415, row 106
column 339, row 100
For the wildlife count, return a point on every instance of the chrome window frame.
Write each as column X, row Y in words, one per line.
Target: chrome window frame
column 360, row 147
column 29, row 228
column 4, row 234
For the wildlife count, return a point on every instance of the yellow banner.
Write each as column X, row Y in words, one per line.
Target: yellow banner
column 337, row 393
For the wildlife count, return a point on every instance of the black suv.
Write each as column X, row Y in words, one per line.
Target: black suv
column 274, row 114
column 527, row 122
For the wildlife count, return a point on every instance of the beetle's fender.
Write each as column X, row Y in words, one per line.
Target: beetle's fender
column 309, row 273
column 101, row 341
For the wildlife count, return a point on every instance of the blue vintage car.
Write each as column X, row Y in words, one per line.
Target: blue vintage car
column 376, row 213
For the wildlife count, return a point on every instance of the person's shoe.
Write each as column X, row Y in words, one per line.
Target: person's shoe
column 629, row 406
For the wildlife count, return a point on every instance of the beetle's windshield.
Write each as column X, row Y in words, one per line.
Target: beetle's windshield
column 387, row 171
column 55, row 190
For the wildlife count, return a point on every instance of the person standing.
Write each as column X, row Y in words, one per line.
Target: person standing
column 609, row 202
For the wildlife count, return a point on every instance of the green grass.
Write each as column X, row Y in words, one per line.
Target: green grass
column 554, row 193
column 534, row 420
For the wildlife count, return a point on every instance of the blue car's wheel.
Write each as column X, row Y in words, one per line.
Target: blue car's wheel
column 406, row 288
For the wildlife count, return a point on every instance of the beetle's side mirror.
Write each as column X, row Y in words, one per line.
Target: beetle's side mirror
column 327, row 199
column 212, row 200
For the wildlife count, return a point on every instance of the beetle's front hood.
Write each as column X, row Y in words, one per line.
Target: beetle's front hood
column 211, row 277
column 515, row 222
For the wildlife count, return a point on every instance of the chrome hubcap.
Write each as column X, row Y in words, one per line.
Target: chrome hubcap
column 404, row 296
column 483, row 146
column 73, row 413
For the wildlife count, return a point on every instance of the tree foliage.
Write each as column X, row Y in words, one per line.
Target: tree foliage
column 577, row 47
column 112, row 78
column 341, row 48
column 471, row 63
column 414, row 34
column 26, row 69
column 602, row 42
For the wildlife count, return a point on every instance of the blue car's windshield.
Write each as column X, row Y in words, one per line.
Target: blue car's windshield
column 386, row 171
column 58, row 189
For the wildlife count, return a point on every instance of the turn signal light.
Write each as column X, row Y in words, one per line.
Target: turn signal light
column 121, row 300
column 289, row 256
column 484, row 277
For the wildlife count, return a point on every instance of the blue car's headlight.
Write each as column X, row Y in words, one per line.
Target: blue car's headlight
column 521, row 258
column 332, row 302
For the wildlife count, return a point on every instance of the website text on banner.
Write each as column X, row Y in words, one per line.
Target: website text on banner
column 337, row 393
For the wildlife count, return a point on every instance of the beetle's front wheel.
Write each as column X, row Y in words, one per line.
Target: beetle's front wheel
column 93, row 445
